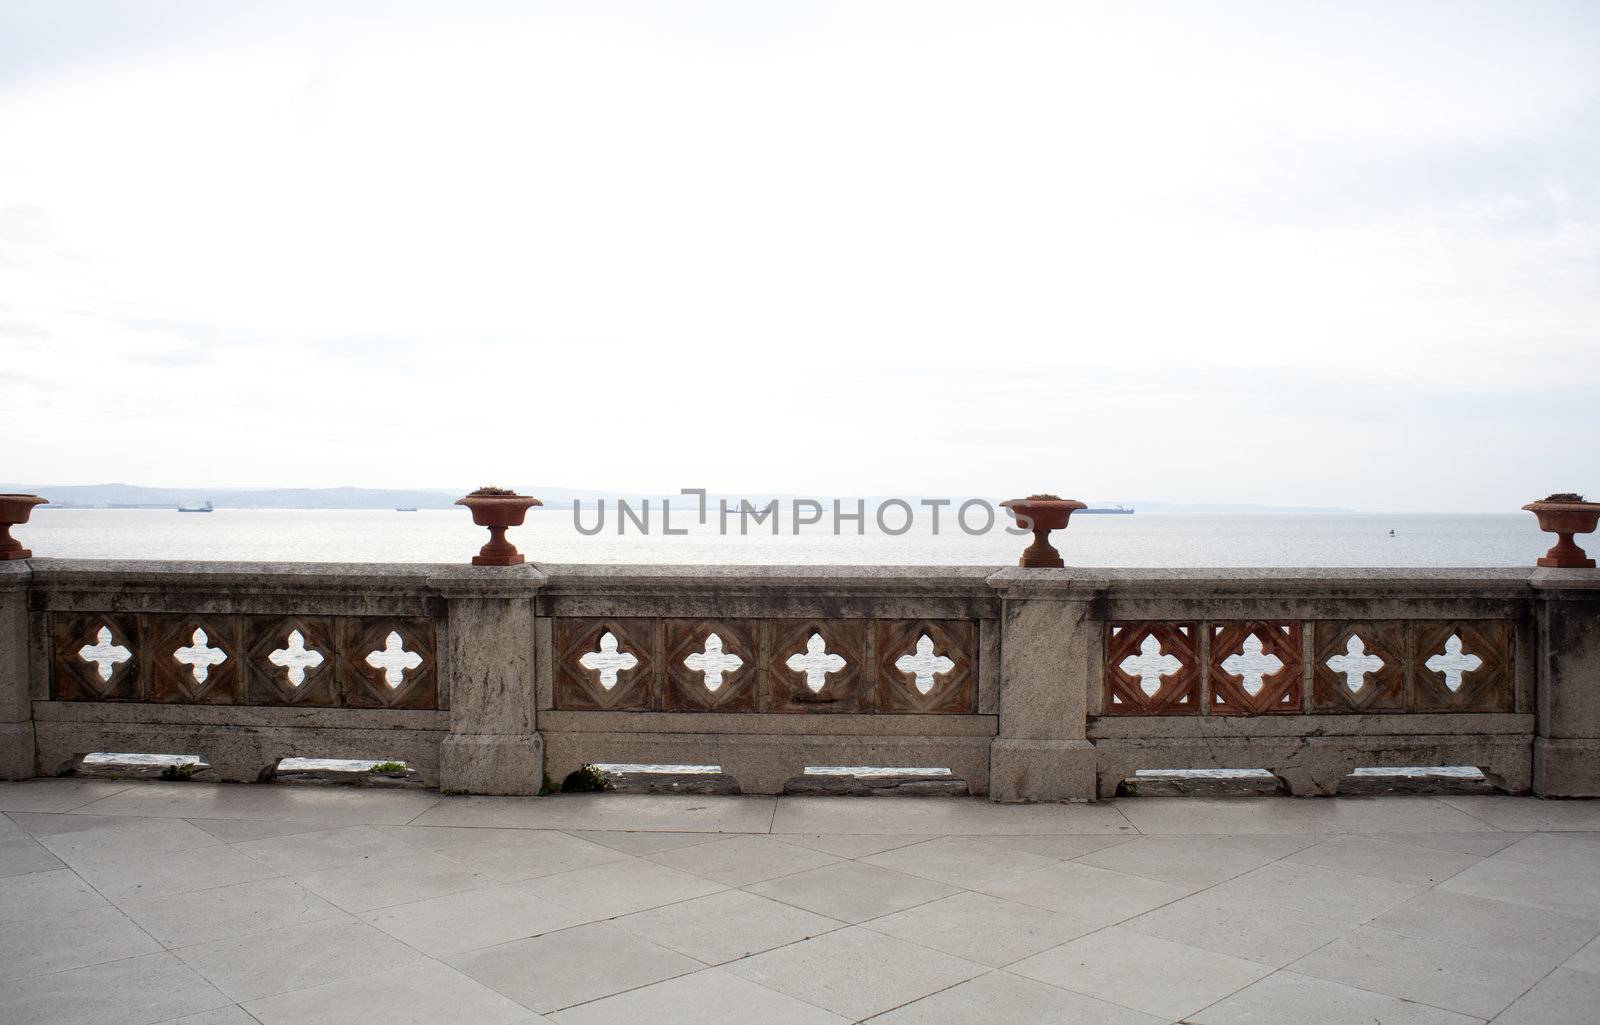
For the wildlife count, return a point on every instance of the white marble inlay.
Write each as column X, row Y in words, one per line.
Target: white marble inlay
column 816, row 663
column 394, row 659
column 200, row 656
column 105, row 655
column 712, row 662
column 1252, row 665
column 1150, row 665
column 296, row 658
column 1453, row 663
column 608, row 661
column 1355, row 663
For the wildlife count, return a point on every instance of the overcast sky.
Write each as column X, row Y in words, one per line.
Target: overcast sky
column 1297, row 254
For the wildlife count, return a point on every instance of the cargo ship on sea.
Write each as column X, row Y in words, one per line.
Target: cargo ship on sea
column 1110, row 510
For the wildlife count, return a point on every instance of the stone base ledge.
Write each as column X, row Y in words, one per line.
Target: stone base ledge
column 1566, row 768
column 496, row 764
column 1314, row 766
column 1041, row 770
column 762, row 763
column 235, row 753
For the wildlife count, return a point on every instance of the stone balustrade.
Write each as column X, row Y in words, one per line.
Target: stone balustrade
column 1028, row 684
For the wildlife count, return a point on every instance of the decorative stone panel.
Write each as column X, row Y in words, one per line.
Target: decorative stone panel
column 923, row 666
column 1360, row 667
column 926, row 666
column 1152, row 669
column 340, row 661
column 97, row 658
column 195, row 660
column 712, row 666
column 815, row 665
column 1462, row 666
column 1255, row 668
column 605, row 664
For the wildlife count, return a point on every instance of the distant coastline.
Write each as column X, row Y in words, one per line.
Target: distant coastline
column 136, row 496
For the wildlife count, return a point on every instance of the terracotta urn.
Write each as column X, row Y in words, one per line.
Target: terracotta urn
column 14, row 509
column 1565, row 515
column 497, row 509
column 1041, row 514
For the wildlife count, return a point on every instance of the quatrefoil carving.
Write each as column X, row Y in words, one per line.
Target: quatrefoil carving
column 711, row 663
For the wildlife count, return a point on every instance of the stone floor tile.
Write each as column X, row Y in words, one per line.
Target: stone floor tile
column 530, row 854
column 1481, row 844
column 853, row 845
column 1143, row 972
column 1382, row 859
column 232, row 1014
column 708, row 997
column 1263, row 933
column 297, row 957
column 1330, row 892
column 1528, row 814
column 133, row 991
column 400, row 879
column 458, row 922
column 1196, row 860
column 1489, row 924
column 1003, row 997
column 1094, row 895
column 856, row 972
column 125, row 839
column 619, row 888
column 943, row 816
column 1562, row 998
column 173, row 872
column 323, row 849
column 669, row 813
column 336, row 806
column 851, row 891
column 56, row 795
column 642, row 842
column 1567, row 892
column 73, row 940
column 725, row 926
column 1586, row 959
column 1288, row 998
column 960, row 861
column 39, row 823
column 430, row 994
column 741, row 860
column 573, row 966
column 1200, row 816
column 184, row 919
column 9, row 830
column 19, row 857
column 981, row 928
column 436, row 838
column 37, row 894
column 1448, row 975
column 1560, row 852
column 1062, row 847
column 240, row 830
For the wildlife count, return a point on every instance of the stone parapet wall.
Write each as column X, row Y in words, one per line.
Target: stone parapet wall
column 1028, row 684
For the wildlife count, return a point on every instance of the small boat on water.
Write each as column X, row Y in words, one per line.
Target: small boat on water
column 405, row 508
column 208, row 507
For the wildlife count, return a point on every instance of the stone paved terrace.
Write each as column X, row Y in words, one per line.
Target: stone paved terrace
column 137, row 903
